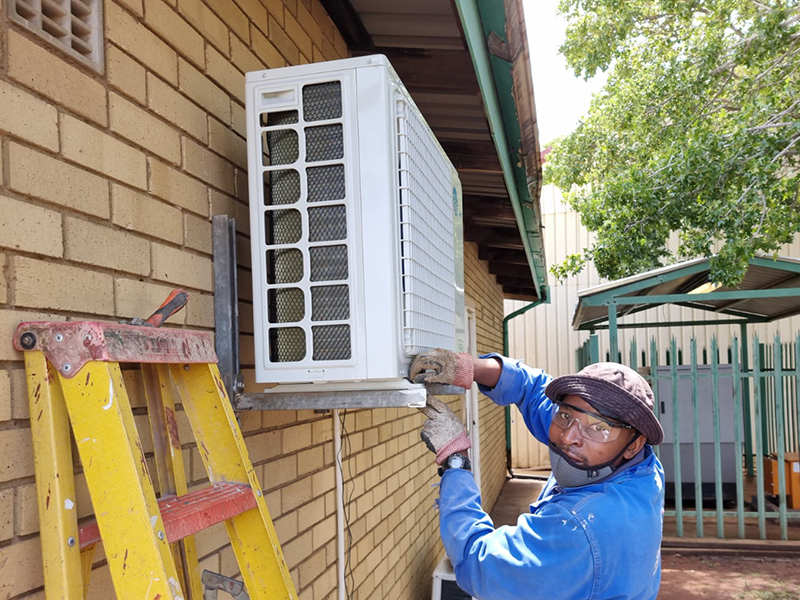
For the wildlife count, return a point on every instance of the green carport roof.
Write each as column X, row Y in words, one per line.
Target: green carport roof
column 769, row 291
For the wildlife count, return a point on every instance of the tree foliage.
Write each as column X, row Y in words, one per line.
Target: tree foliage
column 696, row 133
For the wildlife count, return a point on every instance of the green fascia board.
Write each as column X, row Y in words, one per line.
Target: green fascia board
column 479, row 18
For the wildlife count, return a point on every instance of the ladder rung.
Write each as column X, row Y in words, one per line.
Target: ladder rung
column 186, row 515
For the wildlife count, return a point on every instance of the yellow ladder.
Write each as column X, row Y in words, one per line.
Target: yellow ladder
column 74, row 377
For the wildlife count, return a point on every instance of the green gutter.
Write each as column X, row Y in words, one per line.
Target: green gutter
column 479, row 18
column 506, row 319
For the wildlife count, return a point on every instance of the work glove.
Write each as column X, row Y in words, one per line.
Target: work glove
column 448, row 367
column 443, row 432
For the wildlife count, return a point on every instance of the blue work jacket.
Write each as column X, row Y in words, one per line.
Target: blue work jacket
column 599, row 541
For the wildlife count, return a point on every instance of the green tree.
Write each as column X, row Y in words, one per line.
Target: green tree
column 696, row 132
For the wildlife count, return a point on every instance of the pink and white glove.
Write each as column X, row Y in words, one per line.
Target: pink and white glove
column 443, row 432
column 445, row 366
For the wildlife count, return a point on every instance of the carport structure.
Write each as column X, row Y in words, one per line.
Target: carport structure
column 710, row 422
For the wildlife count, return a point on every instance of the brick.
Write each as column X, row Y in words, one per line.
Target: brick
column 340, row 45
column 239, row 119
column 27, row 510
column 25, row 226
column 20, row 568
column 242, row 185
column 167, row 102
column 142, row 128
column 132, row 210
column 275, row 9
column 33, row 66
column 99, row 151
column 322, row 19
column 41, row 284
column 310, row 460
column 27, row 117
column 133, row 37
column 172, row 27
column 197, row 232
column 283, row 42
column 201, row 311
column 308, row 22
column 6, row 514
column 177, row 187
column 206, row 93
column 101, row 586
column 298, row 35
column 5, row 396
column 135, row 298
column 220, row 70
column 57, row 181
column 264, row 446
column 211, row 539
column 179, row 267
column 210, row 25
column 135, row 6
column 103, row 246
column 243, row 58
column 223, row 140
column 208, row 166
column 16, row 456
column 266, row 51
column 297, row 437
column 234, row 18
column 256, row 12
column 126, row 75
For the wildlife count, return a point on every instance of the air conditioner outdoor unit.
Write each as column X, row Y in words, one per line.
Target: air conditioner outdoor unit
column 356, row 232
column 444, row 583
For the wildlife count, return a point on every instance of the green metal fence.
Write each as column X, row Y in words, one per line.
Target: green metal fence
column 728, row 427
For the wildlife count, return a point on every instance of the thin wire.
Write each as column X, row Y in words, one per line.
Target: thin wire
column 348, row 566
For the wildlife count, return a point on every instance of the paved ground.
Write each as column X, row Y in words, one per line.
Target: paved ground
column 707, row 575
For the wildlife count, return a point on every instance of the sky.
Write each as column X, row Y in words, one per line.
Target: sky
column 561, row 98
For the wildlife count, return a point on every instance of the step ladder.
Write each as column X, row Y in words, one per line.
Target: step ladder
column 74, row 379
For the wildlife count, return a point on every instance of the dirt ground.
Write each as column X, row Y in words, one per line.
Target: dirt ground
column 713, row 577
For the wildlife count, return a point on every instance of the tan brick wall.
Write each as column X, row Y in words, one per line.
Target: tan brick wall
column 485, row 297
column 107, row 187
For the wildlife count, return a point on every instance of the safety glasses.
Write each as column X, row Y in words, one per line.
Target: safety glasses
column 591, row 426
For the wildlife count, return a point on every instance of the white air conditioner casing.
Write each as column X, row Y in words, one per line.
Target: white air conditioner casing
column 356, row 232
column 444, row 583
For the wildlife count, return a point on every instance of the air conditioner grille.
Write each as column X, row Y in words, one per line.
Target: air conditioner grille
column 327, row 223
column 281, row 187
column 302, row 157
column 284, row 266
column 325, row 183
column 328, row 263
column 331, row 342
column 426, row 236
column 322, row 101
column 283, row 226
column 330, row 303
column 324, row 142
column 287, row 344
column 282, row 147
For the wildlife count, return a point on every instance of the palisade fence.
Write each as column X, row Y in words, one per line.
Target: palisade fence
column 728, row 425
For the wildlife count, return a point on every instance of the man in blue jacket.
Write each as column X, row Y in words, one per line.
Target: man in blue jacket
column 595, row 531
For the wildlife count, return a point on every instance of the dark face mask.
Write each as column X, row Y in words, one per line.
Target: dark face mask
column 569, row 474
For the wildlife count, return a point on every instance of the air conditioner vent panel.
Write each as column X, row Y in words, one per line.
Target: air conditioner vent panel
column 353, row 214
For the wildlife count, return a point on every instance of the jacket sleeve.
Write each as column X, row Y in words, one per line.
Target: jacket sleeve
column 546, row 555
column 524, row 386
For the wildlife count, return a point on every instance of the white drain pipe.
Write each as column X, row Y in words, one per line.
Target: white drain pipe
column 339, row 469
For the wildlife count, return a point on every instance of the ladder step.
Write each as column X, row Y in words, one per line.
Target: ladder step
column 191, row 513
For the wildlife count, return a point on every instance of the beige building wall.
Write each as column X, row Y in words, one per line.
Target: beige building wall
column 108, row 182
column 543, row 337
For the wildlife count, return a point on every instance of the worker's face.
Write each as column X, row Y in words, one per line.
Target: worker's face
column 588, row 453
